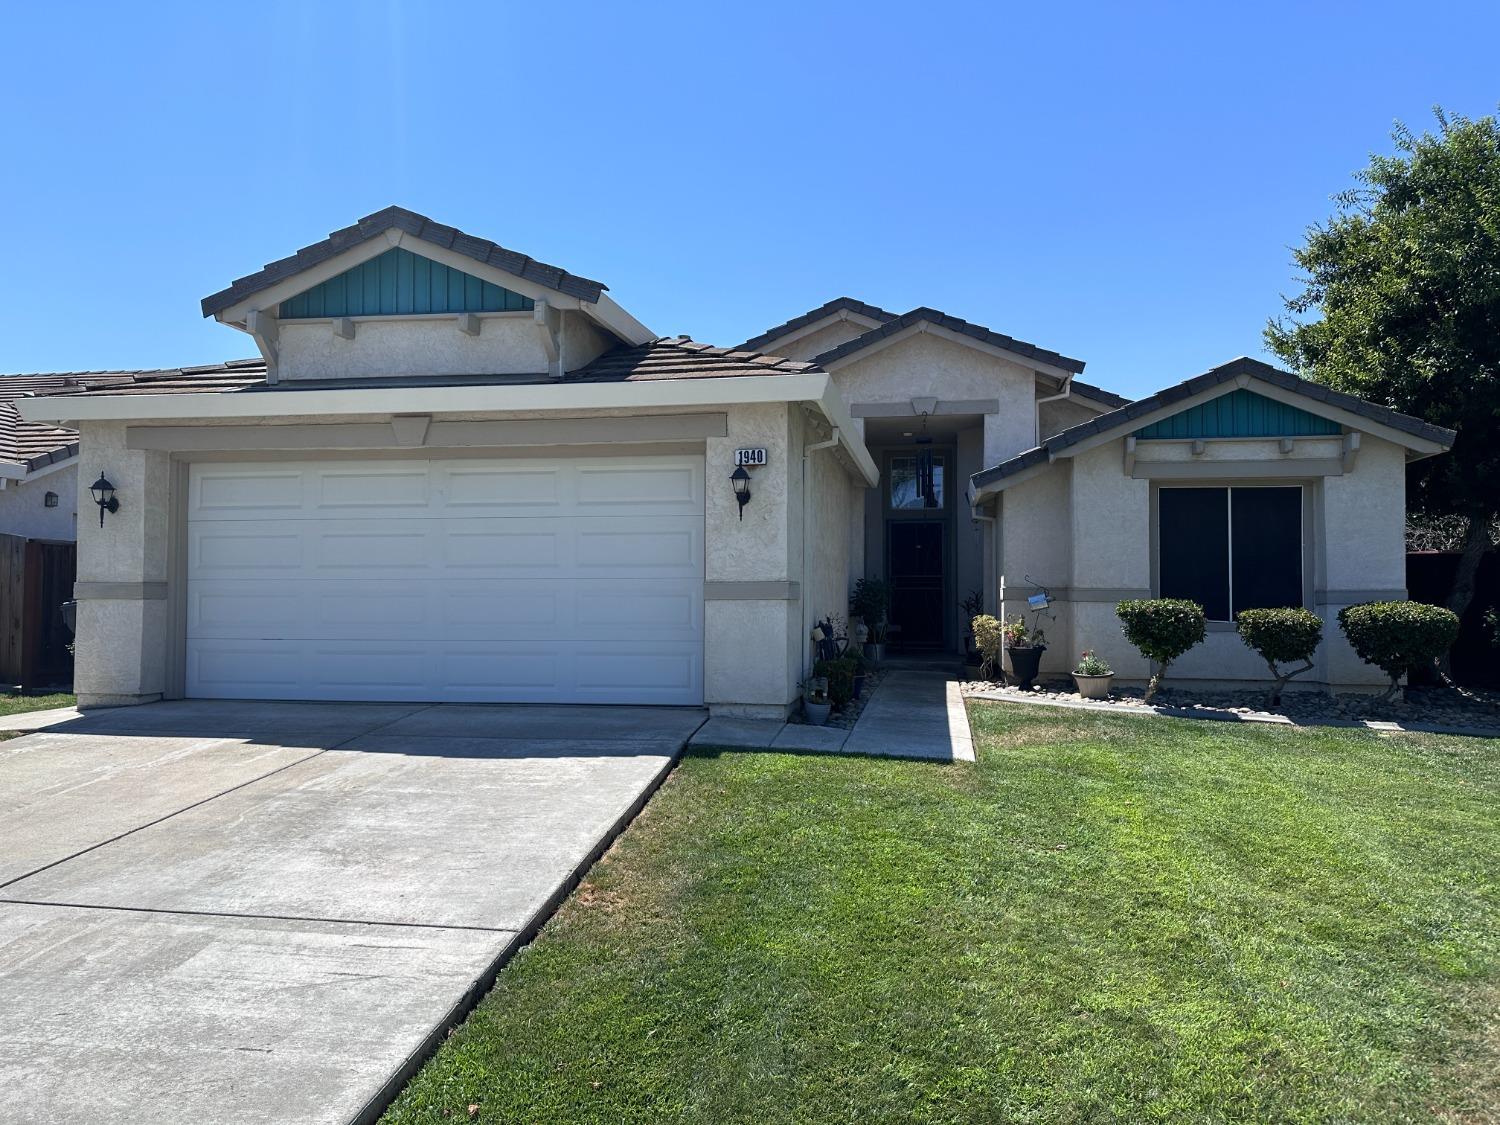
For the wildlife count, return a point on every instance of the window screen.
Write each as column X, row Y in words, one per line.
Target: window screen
column 1267, row 547
column 1230, row 549
column 1193, row 528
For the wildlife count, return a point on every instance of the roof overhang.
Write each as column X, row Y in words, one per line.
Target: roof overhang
column 814, row 388
column 988, row 483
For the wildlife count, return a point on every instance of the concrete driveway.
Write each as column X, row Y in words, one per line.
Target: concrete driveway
column 268, row 912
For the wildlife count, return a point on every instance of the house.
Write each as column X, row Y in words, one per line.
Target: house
column 458, row 473
column 38, row 464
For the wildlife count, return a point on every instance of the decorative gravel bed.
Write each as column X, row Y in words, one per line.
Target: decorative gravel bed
column 846, row 717
column 1429, row 706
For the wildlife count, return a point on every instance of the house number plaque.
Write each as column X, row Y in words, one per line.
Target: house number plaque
column 750, row 457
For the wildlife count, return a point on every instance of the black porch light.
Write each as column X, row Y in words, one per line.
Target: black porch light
column 741, row 481
column 104, row 496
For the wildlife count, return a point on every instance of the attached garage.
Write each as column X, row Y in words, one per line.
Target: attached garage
column 519, row 580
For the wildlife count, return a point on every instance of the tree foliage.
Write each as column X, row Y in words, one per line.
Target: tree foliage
column 1401, row 305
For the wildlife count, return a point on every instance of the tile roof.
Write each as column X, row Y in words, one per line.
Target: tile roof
column 213, row 378
column 35, row 445
column 421, row 227
column 1127, row 416
column 953, row 324
column 680, row 357
column 822, row 312
column 1097, row 394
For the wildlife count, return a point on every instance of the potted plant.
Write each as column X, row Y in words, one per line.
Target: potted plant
column 1093, row 676
column 973, row 606
column 1024, row 647
column 871, row 603
column 815, row 700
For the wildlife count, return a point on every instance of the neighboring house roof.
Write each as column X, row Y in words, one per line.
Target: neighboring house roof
column 421, row 227
column 953, row 324
column 680, row 357
column 1127, row 417
column 813, row 316
column 29, row 446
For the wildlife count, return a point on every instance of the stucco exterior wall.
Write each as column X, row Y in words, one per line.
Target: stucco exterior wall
column 752, row 644
column 23, row 508
column 1062, row 414
column 1085, row 518
column 507, row 344
column 924, row 364
column 121, row 645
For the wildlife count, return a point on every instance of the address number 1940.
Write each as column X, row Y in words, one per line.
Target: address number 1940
column 749, row 456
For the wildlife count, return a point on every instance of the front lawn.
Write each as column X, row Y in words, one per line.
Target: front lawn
column 15, row 703
column 1106, row 918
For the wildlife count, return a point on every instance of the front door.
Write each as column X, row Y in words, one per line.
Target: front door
column 915, row 568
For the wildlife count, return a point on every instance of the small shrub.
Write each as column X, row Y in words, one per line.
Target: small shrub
column 840, row 674
column 1398, row 636
column 1092, row 664
column 1162, row 629
column 1281, row 636
column 989, row 638
column 871, row 602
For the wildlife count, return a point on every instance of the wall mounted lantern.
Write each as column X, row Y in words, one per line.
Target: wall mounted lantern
column 741, row 481
column 104, row 496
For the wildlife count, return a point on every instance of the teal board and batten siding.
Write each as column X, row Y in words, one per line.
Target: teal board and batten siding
column 1240, row 413
column 400, row 283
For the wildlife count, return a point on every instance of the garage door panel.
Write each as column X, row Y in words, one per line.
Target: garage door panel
column 468, row 580
column 477, row 609
column 457, row 671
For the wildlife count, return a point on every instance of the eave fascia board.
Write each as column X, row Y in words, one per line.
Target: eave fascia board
column 927, row 326
column 270, row 298
column 832, row 404
column 609, row 315
column 986, row 492
column 286, row 401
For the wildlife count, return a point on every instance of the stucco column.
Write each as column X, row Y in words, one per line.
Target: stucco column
column 121, row 642
column 752, row 607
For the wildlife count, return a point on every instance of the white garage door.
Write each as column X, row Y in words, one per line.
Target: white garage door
column 520, row 580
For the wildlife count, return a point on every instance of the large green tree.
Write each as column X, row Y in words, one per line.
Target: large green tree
column 1401, row 305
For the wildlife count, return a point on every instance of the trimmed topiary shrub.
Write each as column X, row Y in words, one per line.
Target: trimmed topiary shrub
column 1281, row 636
column 1162, row 629
column 1398, row 636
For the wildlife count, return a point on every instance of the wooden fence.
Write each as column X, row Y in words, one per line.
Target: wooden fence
column 36, row 577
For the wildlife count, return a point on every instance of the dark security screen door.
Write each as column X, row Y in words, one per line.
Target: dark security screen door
column 916, row 575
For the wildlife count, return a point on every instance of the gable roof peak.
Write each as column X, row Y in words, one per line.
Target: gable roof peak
column 420, row 227
column 923, row 314
column 822, row 312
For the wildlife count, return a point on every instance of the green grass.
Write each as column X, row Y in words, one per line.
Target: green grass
column 15, row 703
column 1108, row 918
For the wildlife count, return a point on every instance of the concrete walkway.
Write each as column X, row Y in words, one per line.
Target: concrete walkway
column 248, row 912
column 911, row 715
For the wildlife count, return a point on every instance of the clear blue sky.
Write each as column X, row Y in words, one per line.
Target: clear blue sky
column 1117, row 182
